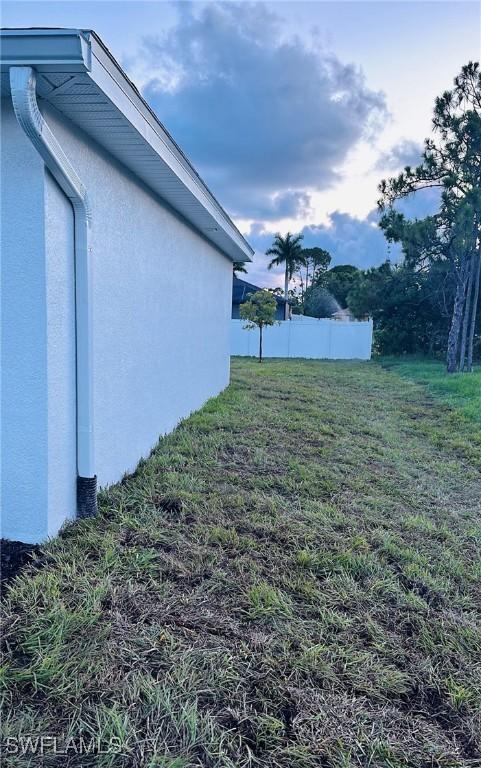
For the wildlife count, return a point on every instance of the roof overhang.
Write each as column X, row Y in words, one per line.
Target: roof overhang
column 78, row 76
column 238, row 283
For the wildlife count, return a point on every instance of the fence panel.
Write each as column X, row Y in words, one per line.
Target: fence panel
column 322, row 339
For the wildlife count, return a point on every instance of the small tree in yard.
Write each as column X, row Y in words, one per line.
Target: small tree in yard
column 259, row 310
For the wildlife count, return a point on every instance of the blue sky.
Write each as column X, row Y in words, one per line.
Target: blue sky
column 291, row 111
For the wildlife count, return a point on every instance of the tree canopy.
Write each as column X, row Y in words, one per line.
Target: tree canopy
column 451, row 162
column 410, row 308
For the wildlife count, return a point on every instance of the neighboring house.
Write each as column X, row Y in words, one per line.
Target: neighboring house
column 240, row 292
column 342, row 314
column 116, row 279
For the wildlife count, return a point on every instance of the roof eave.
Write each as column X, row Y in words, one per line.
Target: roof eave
column 82, row 51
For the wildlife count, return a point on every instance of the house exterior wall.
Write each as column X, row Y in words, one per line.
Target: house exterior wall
column 161, row 314
column 24, row 415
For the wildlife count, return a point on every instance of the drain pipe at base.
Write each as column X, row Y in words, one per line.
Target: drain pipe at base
column 24, row 99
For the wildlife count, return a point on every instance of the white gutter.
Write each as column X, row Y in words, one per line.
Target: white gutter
column 24, row 98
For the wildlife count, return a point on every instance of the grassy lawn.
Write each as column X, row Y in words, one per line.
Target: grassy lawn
column 292, row 580
column 460, row 391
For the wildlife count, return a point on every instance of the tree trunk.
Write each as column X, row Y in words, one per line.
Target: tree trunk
column 452, row 358
column 286, row 292
column 260, row 343
column 477, row 277
column 467, row 312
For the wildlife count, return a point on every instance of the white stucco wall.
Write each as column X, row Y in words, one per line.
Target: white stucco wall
column 161, row 304
column 24, row 414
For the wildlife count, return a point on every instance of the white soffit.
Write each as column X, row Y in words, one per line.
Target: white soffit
column 78, row 76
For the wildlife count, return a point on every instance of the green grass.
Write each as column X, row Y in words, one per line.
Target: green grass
column 291, row 580
column 460, row 391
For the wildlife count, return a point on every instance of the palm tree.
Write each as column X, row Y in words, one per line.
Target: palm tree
column 238, row 266
column 286, row 250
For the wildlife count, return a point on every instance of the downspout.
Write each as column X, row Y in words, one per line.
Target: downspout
column 24, row 99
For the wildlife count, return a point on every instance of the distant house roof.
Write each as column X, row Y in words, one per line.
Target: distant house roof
column 342, row 314
column 241, row 289
column 77, row 74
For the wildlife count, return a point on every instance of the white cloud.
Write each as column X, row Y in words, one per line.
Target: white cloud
column 267, row 120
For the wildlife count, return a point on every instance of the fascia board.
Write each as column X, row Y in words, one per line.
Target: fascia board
column 107, row 76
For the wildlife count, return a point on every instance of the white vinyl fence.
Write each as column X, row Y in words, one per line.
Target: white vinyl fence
column 301, row 336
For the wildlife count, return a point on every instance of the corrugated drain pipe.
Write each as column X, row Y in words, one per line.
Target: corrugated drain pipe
column 24, row 99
